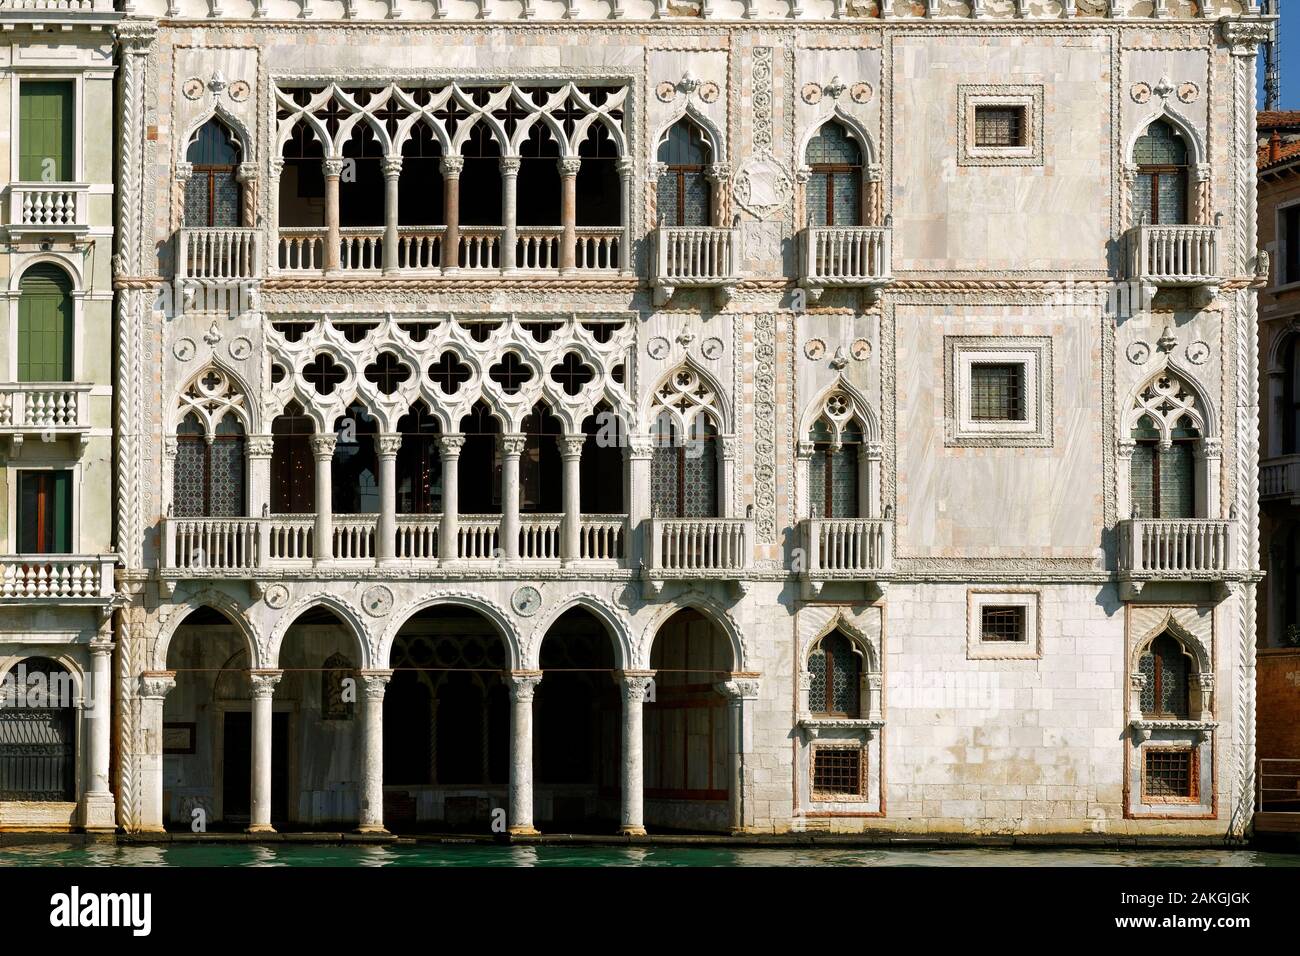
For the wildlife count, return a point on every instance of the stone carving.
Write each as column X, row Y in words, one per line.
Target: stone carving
column 239, row 91
column 761, row 186
column 1138, row 353
column 658, row 347
column 377, row 600
column 765, row 427
column 184, row 349
column 241, row 347
column 761, row 99
column 860, row 92
column 1140, row 92
column 815, row 349
column 1188, row 92
column 276, row 596
column 711, row 348
column 192, row 88
column 1198, row 353
column 526, row 601
column 860, row 350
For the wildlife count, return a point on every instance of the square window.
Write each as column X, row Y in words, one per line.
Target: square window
column 998, row 391
column 999, row 126
column 1170, row 775
column 1002, row 623
column 837, row 773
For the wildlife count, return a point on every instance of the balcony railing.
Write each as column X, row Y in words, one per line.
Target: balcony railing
column 602, row 537
column 82, row 6
column 843, row 256
column 853, row 548
column 219, row 253
column 48, row 208
column 301, row 249
column 1279, row 477
column 1176, row 549
column 418, row 537
column 56, row 578
column 711, row 548
column 45, row 409
column 695, row 256
column 1173, row 256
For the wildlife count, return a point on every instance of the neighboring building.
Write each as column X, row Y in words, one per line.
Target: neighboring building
column 726, row 416
column 56, row 414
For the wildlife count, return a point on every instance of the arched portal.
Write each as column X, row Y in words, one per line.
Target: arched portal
column 38, row 733
column 577, row 714
column 447, row 720
column 688, row 763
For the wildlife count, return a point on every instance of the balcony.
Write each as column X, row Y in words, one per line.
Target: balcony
column 48, row 210
column 1185, row 550
column 219, row 254
column 1279, row 479
column 1170, row 257
column 841, row 257
column 695, row 257
column 850, row 550
column 44, row 410
column 56, row 578
column 687, row 549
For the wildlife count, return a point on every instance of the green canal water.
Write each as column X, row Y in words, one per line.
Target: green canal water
column 430, row 854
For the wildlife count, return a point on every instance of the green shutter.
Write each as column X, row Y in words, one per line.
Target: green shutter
column 61, row 519
column 45, row 132
column 45, row 325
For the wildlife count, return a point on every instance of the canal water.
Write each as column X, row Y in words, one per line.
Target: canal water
column 457, row 855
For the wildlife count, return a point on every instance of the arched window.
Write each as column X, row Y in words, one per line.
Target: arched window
column 684, row 470
column 293, row 465
column 1166, row 669
column 1291, row 397
column 212, row 193
column 539, row 465
column 419, row 463
column 45, row 333
column 834, row 192
column 833, row 470
column 684, row 194
column 38, row 734
column 1163, row 475
column 1160, row 196
column 479, row 474
column 836, row 671
column 355, row 469
column 208, row 477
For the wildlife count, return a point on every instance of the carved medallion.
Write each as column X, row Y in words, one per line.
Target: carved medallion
column 815, row 349
column 193, row 88
column 184, row 349
column 1188, row 92
column 526, row 601
column 241, row 348
column 711, row 348
column 860, row 92
column 860, row 350
column 666, row 91
column 811, row 93
column 238, row 91
column 1198, row 353
column 377, row 600
column 1138, row 353
column 276, row 596
column 1141, row 92
column 761, row 186
column 709, row 91
column 658, row 347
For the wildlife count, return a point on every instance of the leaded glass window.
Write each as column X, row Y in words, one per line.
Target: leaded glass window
column 212, row 193
column 1165, row 690
column 684, row 195
column 997, row 391
column 1160, row 192
column 208, row 476
column 1162, row 481
column 834, row 191
column 836, row 678
column 684, row 474
column 833, row 471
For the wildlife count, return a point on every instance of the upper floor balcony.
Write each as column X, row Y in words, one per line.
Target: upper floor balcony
column 1184, row 550
column 695, row 257
column 1164, row 257
column 39, row 210
column 684, row 549
column 851, row 550
column 1279, row 479
column 846, row 257
column 56, row 578
column 44, row 411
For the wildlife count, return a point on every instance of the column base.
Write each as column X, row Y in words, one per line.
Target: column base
column 260, row 828
column 99, row 813
column 631, row 831
column 525, row 831
column 375, row 829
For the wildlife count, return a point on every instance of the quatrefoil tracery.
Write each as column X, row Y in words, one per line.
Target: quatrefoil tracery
column 1168, row 402
column 211, row 395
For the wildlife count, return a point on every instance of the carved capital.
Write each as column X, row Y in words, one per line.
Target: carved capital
column 872, row 451
column 717, row 172
column 260, row 446
column 332, row 167
column 101, row 647
column 523, row 684
column 635, row 685
column 246, row 172
column 510, row 165
column 184, row 171
column 640, row 447
column 136, row 36
column 805, row 450
column 1244, row 36
column 731, row 445
column 569, row 165
column 512, row 445
column 450, row 445
column 571, row 445
column 387, row 445
column 155, row 685
column 1208, row 448
column 261, row 684
column 323, row 446
column 169, row 447
column 452, row 166
column 626, row 166
column 374, row 683
column 739, row 688
column 1124, row 449
column 277, row 167
column 392, row 166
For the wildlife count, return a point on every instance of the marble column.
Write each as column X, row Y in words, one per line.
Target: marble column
column 333, row 240
column 718, row 175
column 273, row 211
column 262, row 692
column 322, row 447
column 1208, row 453
column 372, row 751
column 626, row 171
column 246, row 176
column 259, row 450
column 392, row 166
column 639, row 453
column 509, row 208
column 1124, row 479
column 523, row 684
column 512, row 446
column 571, row 484
column 98, row 807
column 154, row 687
column 869, row 455
column 730, row 448
column 634, row 685
column 568, row 212
column 741, row 692
column 449, row 447
column 387, row 446
column 451, row 170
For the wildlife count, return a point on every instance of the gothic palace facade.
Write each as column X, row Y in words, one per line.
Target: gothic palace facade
column 722, row 415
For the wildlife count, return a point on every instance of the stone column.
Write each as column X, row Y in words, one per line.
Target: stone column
column 392, row 166
column 386, row 531
column 448, row 534
column 571, row 525
column 333, row 171
column 803, row 453
column 639, row 454
column 273, row 205
column 741, row 692
column 512, row 446
column 869, row 454
column 626, row 174
column 569, row 212
column 451, row 170
column 634, row 685
column 322, row 447
column 258, row 451
column 509, row 208
column 246, row 176
column 154, row 687
column 523, row 684
column 262, row 692
column 873, row 197
column 1124, row 474
column 730, row 448
column 98, row 806
column 718, row 174
column 1209, row 458
column 372, row 751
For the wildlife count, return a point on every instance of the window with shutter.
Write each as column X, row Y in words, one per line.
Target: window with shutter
column 45, row 319
column 45, row 512
column 45, row 131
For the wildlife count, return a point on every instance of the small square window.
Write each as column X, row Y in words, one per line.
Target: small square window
column 837, row 773
column 1000, row 623
column 999, row 126
column 1170, row 775
column 997, row 391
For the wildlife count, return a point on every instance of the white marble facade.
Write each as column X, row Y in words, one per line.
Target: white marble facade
column 975, row 254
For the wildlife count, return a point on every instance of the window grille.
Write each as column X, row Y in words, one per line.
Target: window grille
column 836, row 672
column 999, row 126
column 837, row 772
column 997, row 391
column 1169, row 775
column 1165, row 690
column 1002, row 623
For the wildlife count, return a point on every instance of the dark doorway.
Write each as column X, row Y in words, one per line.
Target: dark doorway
column 237, row 773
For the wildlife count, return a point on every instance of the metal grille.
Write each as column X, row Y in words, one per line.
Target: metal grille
column 836, row 678
column 1165, row 690
column 997, row 391
column 663, row 482
column 1002, row 623
column 999, row 126
column 837, row 772
column 226, row 488
column 189, row 477
column 1168, row 775
column 700, row 479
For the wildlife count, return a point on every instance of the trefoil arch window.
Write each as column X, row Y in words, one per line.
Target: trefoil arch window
column 684, row 192
column 834, row 191
column 1161, row 190
column 213, row 196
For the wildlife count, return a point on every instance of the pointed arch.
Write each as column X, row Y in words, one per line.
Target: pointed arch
column 717, row 140
column 238, row 129
column 856, row 131
column 1192, row 645
column 717, row 397
column 1181, row 124
column 818, row 622
column 861, row 409
column 1198, row 406
column 212, row 403
column 219, row 601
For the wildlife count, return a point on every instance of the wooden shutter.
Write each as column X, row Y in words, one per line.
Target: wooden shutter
column 45, row 325
column 45, row 131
